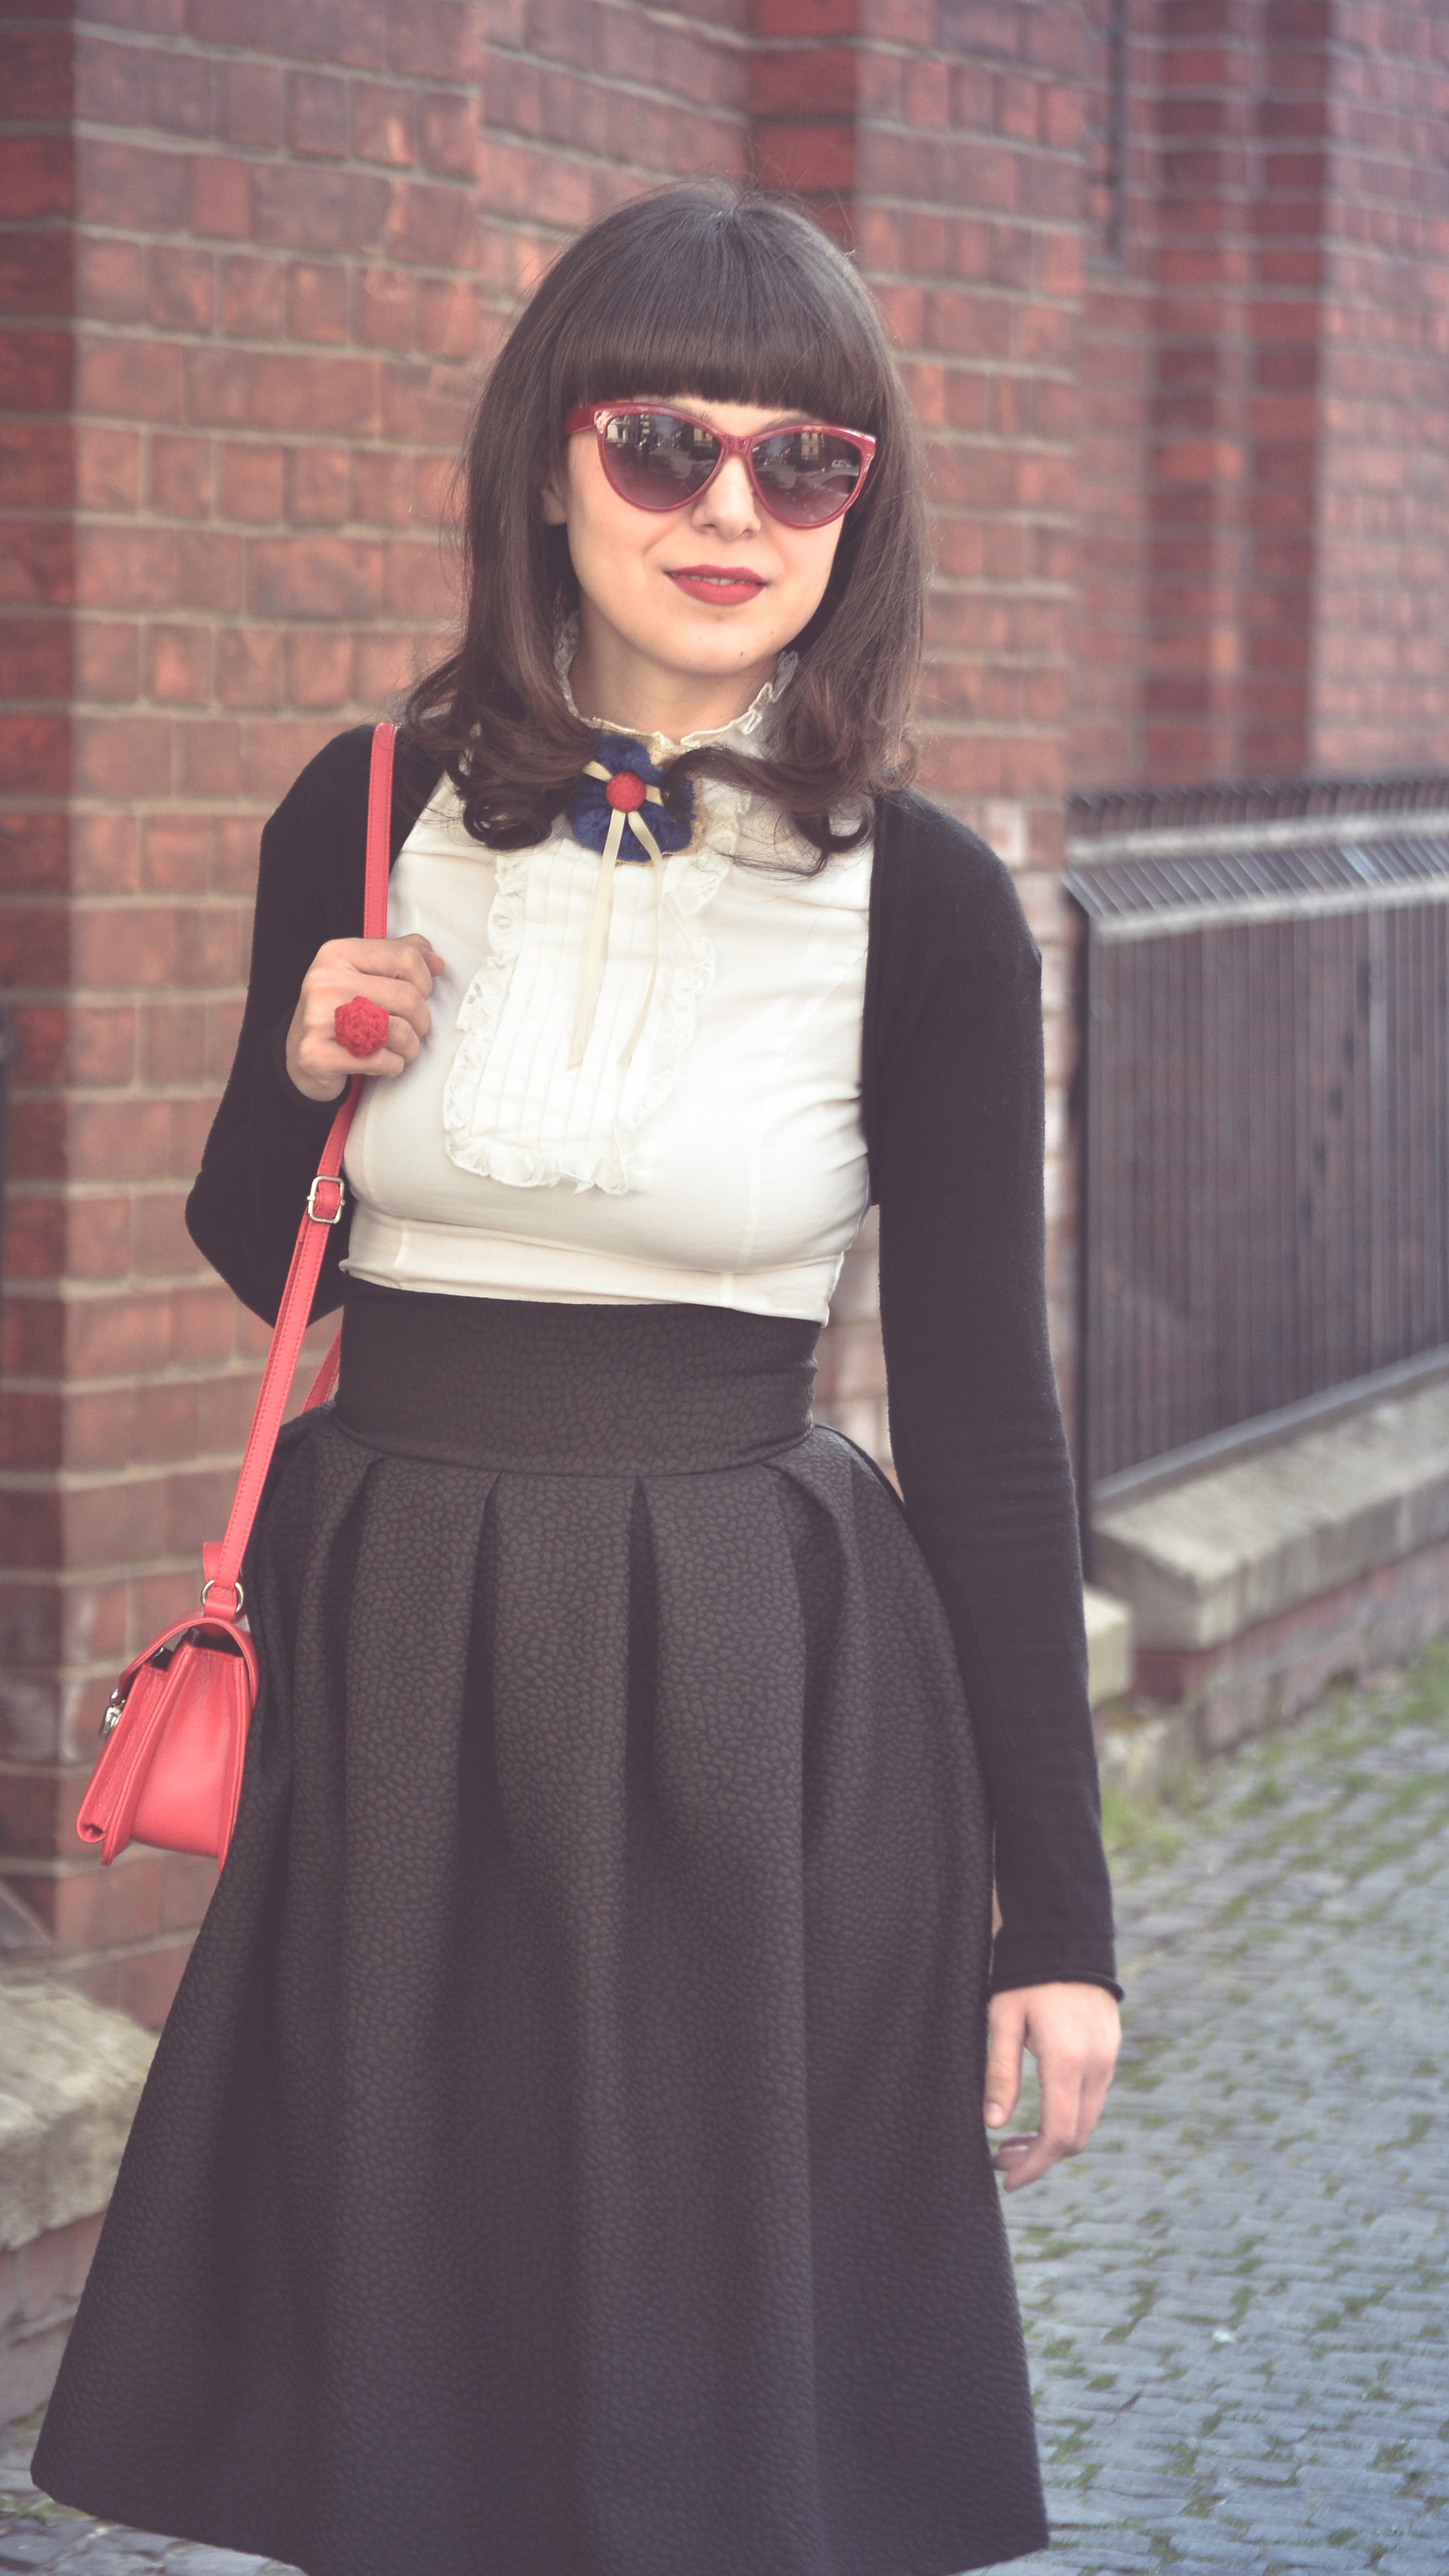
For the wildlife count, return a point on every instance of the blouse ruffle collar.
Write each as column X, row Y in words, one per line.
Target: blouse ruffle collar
column 603, row 1102
column 742, row 733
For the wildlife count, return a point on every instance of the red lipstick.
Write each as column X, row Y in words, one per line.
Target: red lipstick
column 722, row 585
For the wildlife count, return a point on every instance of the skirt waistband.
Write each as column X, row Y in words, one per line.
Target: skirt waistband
column 586, row 1390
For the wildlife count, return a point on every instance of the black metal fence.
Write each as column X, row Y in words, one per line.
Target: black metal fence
column 1263, row 1102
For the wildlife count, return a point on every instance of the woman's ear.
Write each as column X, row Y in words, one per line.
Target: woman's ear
column 551, row 500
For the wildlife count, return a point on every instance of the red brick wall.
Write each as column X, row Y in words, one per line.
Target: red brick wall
column 1201, row 353
column 251, row 256
column 1381, row 674
column 1115, row 386
column 1264, row 460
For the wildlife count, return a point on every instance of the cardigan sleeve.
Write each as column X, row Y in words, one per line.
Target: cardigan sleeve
column 954, row 1117
column 259, row 1159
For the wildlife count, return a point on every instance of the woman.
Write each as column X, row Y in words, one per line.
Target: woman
column 565, row 2156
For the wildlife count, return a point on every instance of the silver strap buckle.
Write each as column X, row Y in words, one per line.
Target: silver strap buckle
column 331, row 1181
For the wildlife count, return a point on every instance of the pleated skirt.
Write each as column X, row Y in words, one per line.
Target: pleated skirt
column 564, row 2155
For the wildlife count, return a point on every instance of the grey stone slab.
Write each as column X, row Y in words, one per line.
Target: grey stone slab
column 109, row 2554
column 141, row 2544
column 197, row 2559
column 193, row 2558
column 70, row 2077
column 36, row 2544
column 1245, row 1540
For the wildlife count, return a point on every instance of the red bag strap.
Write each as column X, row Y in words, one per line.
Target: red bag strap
column 221, row 1593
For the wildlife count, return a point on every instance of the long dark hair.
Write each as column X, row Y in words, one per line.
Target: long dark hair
column 732, row 297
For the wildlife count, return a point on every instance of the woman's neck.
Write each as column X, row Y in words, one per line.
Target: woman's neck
column 612, row 682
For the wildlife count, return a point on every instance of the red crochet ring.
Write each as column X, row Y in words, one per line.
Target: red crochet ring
column 360, row 1026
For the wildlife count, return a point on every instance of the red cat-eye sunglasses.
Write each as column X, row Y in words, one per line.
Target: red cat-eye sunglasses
column 662, row 459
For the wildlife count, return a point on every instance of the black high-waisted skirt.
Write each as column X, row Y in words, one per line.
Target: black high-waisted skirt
column 564, row 2156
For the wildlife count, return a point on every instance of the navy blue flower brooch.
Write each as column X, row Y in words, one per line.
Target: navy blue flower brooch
column 609, row 806
column 620, row 812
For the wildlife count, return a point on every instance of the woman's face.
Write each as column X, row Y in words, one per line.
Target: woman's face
column 712, row 591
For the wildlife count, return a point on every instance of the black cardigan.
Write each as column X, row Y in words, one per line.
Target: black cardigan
column 951, row 1097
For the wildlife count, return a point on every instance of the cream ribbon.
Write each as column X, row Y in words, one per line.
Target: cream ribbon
column 598, row 939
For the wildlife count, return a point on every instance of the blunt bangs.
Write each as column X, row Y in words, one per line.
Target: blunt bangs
column 730, row 305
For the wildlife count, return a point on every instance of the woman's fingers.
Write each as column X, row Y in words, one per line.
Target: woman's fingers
column 1073, row 2032
column 395, row 974
column 1061, row 2132
column 396, row 994
column 412, row 956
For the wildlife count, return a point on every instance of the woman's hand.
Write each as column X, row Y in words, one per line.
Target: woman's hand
column 396, row 974
column 1074, row 2033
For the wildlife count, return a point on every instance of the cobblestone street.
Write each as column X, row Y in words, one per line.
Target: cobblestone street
column 1236, row 2301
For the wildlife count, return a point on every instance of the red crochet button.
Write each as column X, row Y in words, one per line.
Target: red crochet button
column 625, row 792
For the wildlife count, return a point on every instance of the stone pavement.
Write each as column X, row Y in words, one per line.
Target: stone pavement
column 1236, row 2300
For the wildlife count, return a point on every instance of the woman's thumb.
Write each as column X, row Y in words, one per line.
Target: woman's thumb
column 1003, row 2064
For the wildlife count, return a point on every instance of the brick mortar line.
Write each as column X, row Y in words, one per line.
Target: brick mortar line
column 173, row 801
column 234, row 1371
column 146, row 40
column 421, row 91
column 216, row 1463
column 14, row 1766
column 87, row 902
column 87, row 1193
column 100, row 326
column 64, row 1289
column 1017, row 658
column 972, row 586
column 71, row 1481
column 215, row 49
column 43, row 1964
column 970, row 729
column 1016, row 515
column 198, row 710
column 149, row 1569
column 355, row 531
column 166, row 143
column 220, row 619
column 68, row 1578
column 177, row 1372
column 133, row 1094
column 16, row 1865
column 133, row 1287
column 116, row 997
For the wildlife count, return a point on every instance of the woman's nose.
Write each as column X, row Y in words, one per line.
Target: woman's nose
column 729, row 506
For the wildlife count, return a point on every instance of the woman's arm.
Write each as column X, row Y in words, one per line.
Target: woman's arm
column 262, row 1151
column 954, row 1120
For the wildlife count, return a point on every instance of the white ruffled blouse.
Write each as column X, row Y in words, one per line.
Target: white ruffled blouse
column 722, row 1164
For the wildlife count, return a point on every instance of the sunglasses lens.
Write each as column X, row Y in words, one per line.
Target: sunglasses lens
column 658, row 460
column 806, row 475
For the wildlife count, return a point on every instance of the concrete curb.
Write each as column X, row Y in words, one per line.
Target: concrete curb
column 70, row 2078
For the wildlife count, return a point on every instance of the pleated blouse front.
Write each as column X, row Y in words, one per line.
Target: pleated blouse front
column 721, row 1161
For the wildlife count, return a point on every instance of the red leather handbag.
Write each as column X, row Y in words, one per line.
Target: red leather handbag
column 175, row 1732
